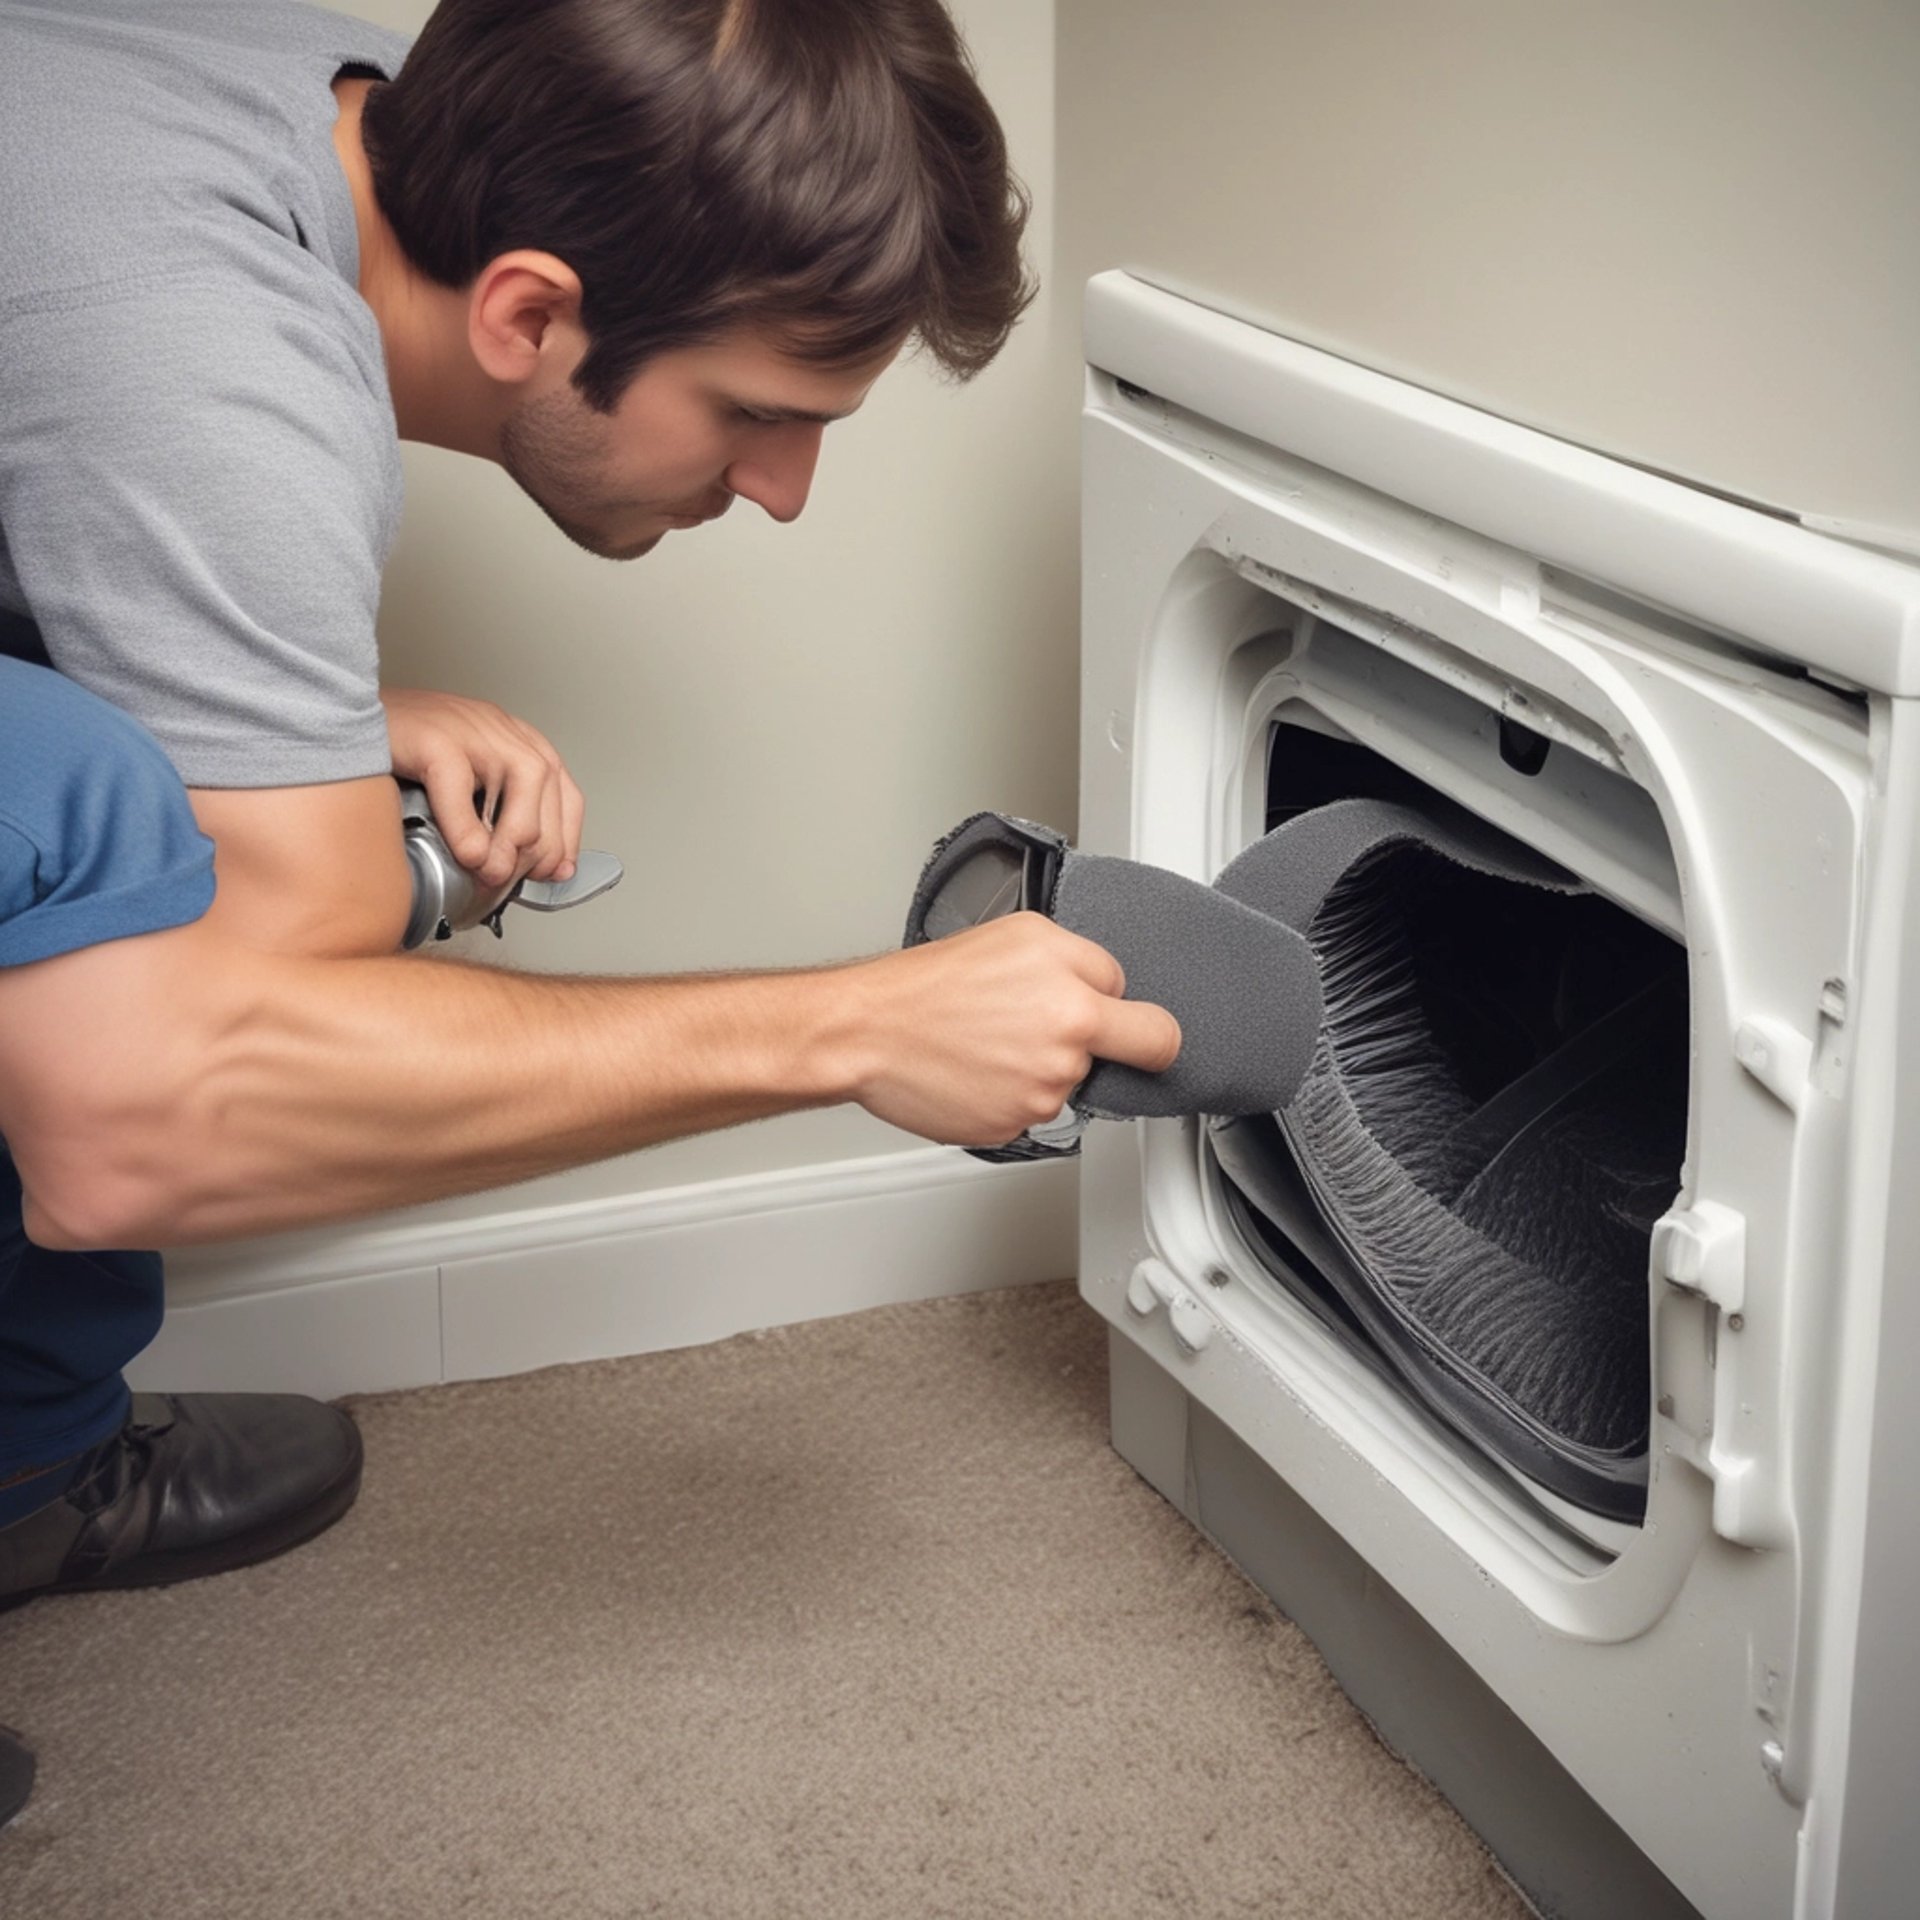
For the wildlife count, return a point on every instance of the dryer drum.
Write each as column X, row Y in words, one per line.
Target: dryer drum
column 1494, row 1116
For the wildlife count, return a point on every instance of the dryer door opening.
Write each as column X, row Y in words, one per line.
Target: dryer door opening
column 1465, row 1187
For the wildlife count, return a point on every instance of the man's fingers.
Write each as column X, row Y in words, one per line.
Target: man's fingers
column 1137, row 1033
column 1091, row 961
column 516, row 830
column 552, row 847
column 520, row 826
column 449, row 783
column 531, row 814
column 573, row 823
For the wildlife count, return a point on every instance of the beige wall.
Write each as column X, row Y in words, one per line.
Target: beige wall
column 772, row 724
column 1679, row 230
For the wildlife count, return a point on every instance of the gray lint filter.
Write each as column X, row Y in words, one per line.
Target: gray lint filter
column 1444, row 1083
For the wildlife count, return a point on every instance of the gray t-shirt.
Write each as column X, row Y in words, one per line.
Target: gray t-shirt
column 199, row 470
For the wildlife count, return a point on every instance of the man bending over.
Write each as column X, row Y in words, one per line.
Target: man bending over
column 639, row 252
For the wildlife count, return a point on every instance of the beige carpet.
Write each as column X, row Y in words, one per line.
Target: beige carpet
column 856, row 1619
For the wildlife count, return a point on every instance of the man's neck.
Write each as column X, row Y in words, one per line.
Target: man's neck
column 439, row 395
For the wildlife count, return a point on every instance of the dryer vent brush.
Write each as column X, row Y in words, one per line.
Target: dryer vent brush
column 1494, row 1116
column 1447, row 1088
column 1241, row 985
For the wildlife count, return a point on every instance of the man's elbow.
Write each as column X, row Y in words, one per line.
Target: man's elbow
column 117, row 1066
column 71, row 1206
column 54, row 1222
column 106, row 1169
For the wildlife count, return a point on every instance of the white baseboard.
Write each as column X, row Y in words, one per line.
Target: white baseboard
column 361, row 1310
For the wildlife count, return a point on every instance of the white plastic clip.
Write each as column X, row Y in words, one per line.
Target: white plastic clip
column 1780, row 1057
column 1703, row 1250
column 1192, row 1324
column 1153, row 1285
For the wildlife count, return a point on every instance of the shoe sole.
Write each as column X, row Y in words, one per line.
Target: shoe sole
column 282, row 1535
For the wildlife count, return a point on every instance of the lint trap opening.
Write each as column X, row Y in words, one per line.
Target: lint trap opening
column 1466, row 1184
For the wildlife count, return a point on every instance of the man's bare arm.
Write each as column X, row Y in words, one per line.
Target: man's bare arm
column 314, row 870
column 179, row 1086
column 320, row 869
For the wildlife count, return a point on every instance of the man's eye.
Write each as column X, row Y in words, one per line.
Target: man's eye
column 758, row 419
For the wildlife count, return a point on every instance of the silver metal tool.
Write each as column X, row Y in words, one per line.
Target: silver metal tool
column 447, row 899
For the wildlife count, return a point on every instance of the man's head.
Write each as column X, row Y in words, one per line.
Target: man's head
column 794, row 188
column 694, row 429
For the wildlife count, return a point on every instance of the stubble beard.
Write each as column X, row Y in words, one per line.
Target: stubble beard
column 551, row 449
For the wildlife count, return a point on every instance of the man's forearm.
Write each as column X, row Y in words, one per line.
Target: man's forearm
column 273, row 1090
column 180, row 1086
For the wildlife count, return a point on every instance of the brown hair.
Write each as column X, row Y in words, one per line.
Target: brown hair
column 827, row 170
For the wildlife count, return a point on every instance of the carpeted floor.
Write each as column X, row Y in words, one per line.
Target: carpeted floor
column 860, row 1618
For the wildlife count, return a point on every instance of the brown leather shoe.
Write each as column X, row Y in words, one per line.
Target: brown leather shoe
column 194, row 1483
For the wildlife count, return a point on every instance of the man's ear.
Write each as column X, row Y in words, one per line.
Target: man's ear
column 523, row 313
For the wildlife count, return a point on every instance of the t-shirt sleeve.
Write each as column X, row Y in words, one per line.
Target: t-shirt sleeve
column 197, row 483
column 97, row 839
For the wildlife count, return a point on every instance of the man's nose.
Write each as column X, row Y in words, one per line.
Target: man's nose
column 778, row 475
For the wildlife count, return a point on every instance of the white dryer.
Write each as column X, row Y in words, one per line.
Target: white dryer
column 1302, row 578
column 1517, row 405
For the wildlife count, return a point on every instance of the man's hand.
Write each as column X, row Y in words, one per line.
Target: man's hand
column 529, row 817
column 974, row 1038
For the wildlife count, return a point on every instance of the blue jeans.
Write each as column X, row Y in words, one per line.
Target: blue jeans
column 68, row 1323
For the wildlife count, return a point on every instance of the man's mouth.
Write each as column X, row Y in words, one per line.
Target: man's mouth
column 698, row 516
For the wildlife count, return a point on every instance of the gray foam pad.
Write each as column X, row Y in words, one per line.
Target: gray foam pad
column 1229, row 961
column 1242, row 986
